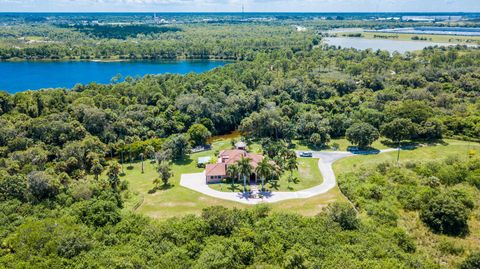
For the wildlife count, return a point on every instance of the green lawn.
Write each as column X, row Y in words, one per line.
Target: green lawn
column 426, row 153
column 342, row 143
column 311, row 206
column 174, row 200
column 308, row 175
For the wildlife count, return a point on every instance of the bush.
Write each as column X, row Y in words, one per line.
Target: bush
column 448, row 247
column 98, row 213
column 445, row 215
column 471, row 262
column 220, row 220
column 344, row 215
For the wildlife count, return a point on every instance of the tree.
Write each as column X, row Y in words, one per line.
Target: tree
column 150, row 152
column 444, row 214
column 233, row 172
column 245, row 170
column 318, row 140
column 42, row 185
column 142, row 156
column 296, row 258
column 165, row 172
column 344, row 215
column 291, row 165
column 164, row 155
column 113, row 174
column 198, row 134
column 264, row 170
column 398, row 130
column 97, row 168
column 179, row 146
column 362, row 134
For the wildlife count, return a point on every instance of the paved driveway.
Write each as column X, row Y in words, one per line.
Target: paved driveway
column 197, row 183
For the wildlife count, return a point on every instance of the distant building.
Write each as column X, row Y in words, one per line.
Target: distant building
column 203, row 161
column 431, row 18
column 241, row 145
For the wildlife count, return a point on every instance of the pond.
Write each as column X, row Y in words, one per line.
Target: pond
column 381, row 44
column 34, row 75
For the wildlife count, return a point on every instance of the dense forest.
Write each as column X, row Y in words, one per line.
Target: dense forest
column 56, row 212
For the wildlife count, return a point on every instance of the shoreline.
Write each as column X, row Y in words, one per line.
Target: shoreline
column 113, row 60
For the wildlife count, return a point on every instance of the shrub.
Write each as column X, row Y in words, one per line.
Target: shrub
column 445, row 215
column 471, row 262
column 344, row 215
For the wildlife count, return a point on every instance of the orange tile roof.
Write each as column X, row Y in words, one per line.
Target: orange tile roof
column 229, row 157
column 218, row 169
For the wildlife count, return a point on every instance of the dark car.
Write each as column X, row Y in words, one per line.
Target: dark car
column 306, row 154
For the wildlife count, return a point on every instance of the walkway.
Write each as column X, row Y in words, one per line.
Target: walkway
column 197, row 183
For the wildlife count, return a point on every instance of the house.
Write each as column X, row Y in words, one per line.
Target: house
column 216, row 173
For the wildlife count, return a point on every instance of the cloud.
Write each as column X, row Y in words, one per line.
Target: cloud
column 235, row 5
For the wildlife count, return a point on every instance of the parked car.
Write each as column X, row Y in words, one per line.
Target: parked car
column 306, row 154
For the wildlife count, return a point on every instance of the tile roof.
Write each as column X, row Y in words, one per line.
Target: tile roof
column 218, row 169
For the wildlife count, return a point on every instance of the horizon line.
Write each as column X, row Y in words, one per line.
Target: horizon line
column 247, row 12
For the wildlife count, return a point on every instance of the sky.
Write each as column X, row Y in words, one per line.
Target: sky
column 236, row 5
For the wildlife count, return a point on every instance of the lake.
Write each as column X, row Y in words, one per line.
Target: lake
column 381, row 44
column 461, row 31
column 29, row 75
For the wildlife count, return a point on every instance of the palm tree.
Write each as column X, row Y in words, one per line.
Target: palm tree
column 291, row 165
column 233, row 172
column 141, row 157
column 264, row 169
column 244, row 169
column 165, row 173
column 113, row 175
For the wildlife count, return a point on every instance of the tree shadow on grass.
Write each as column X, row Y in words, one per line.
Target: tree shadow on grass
column 411, row 145
column 234, row 188
column 309, row 145
column 183, row 162
column 274, row 185
column 161, row 188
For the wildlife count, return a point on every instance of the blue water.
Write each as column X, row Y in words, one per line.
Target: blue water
column 22, row 76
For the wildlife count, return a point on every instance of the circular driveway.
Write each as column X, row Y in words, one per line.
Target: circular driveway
column 198, row 183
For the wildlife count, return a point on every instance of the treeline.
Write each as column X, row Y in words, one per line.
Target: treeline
column 93, row 233
column 240, row 42
column 122, row 31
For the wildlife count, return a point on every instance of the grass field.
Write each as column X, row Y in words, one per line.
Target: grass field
column 427, row 153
